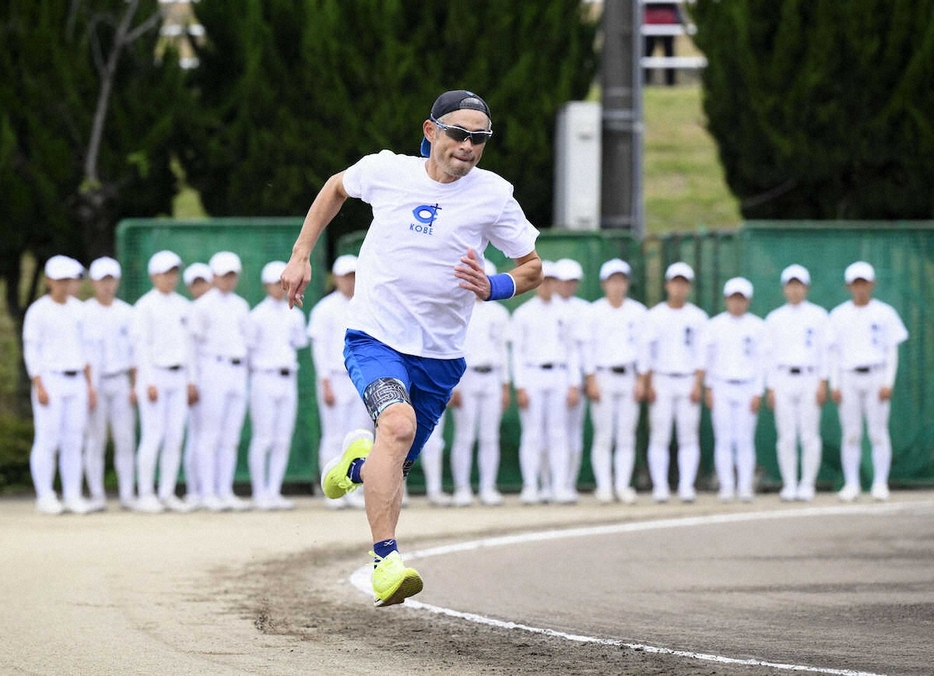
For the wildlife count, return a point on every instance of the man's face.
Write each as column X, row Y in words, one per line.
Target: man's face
column 861, row 290
column 546, row 289
column 453, row 158
column 795, row 291
column 165, row 282
column 199, row 287
column 275, row 290
column 227, row 282
column 105, row 289
column 616, row 286
column 567, row 287
column 737, row 304
column 678, row 289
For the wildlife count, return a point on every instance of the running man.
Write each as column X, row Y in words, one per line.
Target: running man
column 419, row 271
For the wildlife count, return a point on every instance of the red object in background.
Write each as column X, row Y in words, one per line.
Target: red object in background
column 661, row 14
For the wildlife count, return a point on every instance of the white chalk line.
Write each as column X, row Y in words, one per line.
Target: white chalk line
column 361, row 577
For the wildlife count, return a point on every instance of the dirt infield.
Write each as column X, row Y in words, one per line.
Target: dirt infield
column 268, row 593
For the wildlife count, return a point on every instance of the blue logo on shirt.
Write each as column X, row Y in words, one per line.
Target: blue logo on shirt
column 425, row 215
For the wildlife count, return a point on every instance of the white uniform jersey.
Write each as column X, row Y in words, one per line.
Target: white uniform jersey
column 160, row 335
column 863, row 335
column 219, row 324
column 327, row 325
column 798, row 337
column 613, row 333
column 541, row 335
column 485, row 341
column 54, row 336
column 274, row 333
column 736, row 349
column 672, row 344
column 406, row 293
column 109, row 347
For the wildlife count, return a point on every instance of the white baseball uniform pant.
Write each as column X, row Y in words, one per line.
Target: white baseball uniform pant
column 59, row 428
column 162, row 426
column 734, row 429
column 432, row 457
column 673, row 405
column 575, row 423
column 190, row 452
column 614, row 419
column 113, row 410
column 544, row 425
column 859, row 399
column 346, row 414
column 797, row 417
column 223, row 410
column 477, row 420
column 273, row 406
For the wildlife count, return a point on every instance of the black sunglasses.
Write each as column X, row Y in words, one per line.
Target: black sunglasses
column 459, row 134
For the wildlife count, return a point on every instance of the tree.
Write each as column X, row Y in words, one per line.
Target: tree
column 86, row 129
column 822, row 109
column 291, row 91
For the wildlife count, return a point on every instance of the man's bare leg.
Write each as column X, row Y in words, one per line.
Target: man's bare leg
column 382, row 471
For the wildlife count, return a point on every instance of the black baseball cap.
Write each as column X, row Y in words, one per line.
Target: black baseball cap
column 448, row 102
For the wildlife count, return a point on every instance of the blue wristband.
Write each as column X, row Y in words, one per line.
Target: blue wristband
column 502, row 286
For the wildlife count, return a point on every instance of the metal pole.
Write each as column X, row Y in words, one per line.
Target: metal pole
column 621, row 192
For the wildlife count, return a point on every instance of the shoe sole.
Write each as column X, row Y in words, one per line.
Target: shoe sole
column 408, row 586
column 351, row 437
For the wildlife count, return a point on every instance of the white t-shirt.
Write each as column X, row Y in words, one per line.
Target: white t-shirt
column 160, row 334
column 798, row 336
column 736, row 348
column 109, row 347
column 485, row 342
column 54, row 336
column 274, row 332
column 863, row 335
column 219, row 324
column 406, row 294
column 327, row 325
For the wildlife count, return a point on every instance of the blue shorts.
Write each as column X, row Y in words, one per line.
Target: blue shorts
column 429, row 381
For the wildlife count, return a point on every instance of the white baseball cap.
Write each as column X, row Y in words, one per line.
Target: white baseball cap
column 568, row 269
column 613, row 266
column 225, row 261
column 739, row 285
column 679, row 269
column 548, row 269
column 197, row 271
column 798, row 272
column 163, row 261
column 859, row 270
column 63, row 267
column 104, row 267
column 489, row 268
column 344, row 265
column 272, row 272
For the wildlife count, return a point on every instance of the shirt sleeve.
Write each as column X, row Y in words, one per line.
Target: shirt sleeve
column 512, row 233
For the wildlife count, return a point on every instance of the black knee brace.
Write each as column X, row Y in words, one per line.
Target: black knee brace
column 384, row 392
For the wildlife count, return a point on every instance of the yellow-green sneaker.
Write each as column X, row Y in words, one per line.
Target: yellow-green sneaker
column 393, row 582
column 334, row 480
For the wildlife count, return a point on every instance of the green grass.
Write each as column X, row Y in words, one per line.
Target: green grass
column 684, row 187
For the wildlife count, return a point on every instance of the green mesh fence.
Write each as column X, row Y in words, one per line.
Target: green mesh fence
column 256, row 241
column 902, row 253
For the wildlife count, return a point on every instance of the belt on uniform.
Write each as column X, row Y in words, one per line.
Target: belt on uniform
column 173, row 367
column 616, row 369
column 867, row 369
column 482, row 369
column 738, row 381
column 798, row 370
column 70, row 374
column 285, row 372
column 676, row 375
column 549, row 366
column 115, row 374
column 236, row 361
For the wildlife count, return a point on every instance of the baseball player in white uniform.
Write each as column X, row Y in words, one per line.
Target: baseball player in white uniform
column 219, row 329
column 614, row 326
column 109, row 349
column 479, row 400
column 164, row 370
column 797, row 382
column 545, row 368
column 198, row 279
column 340, row 408
column 736, row 350
column 671, row 379
column 866, row 335
column 274, row 332
column 569, row 274
column 62, row 388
